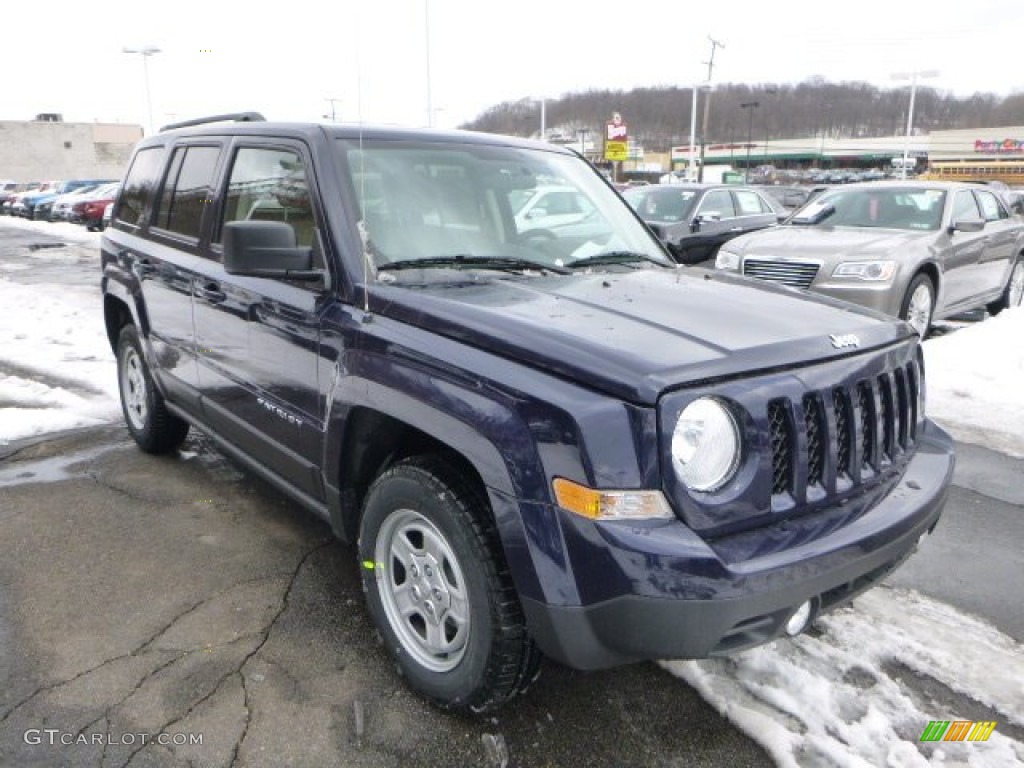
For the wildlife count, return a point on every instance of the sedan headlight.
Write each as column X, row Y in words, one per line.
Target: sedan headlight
column 727, row 260
column 872, row 271
column 706, row 445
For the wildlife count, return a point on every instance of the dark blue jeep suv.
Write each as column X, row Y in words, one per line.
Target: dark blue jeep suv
column 542, row 435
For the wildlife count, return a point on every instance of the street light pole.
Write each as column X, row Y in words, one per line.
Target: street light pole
column 426, row 30
column 751, row 106
column 690, row 174
column 912, row 76
column 146, row 52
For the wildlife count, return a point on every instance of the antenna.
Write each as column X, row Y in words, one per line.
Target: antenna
column 364, row 236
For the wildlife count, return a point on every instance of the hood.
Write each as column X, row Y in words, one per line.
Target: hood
column 636, row 335
column 831, row 242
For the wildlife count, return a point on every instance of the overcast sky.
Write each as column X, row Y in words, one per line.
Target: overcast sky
column 221, row 56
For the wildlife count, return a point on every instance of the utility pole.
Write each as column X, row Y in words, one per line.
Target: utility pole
column 334, row 114
column 715, row 44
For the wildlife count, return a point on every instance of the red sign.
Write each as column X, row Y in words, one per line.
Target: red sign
column 616, row 129
column 995, row 146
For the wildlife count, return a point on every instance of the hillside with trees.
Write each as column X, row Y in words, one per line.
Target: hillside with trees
column 659, row 118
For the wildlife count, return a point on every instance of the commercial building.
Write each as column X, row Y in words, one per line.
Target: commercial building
column 49, row 148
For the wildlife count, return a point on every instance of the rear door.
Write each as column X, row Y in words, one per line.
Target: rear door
column 163, row 265
column 258, row 339
column 1002, row 231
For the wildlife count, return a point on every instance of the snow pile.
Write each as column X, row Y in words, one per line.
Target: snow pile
column 63, row 230
column 837, row 700
column 975, row 382
column 56, row 367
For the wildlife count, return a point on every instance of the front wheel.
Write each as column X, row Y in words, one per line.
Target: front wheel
column 155, row 429
column 919, row 304
column 439, row 590
column 1013, row 294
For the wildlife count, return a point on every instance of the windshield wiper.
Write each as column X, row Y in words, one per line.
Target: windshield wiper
column 615, row 257
column 465, row 260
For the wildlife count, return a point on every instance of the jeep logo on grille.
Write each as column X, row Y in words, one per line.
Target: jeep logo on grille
column 844, row 340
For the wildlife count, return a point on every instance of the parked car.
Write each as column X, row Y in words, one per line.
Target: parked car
column 548, row 206
column 535, row 446
column 788, row 196
column 60, row 210
column 919, row 251
column 89, row 211
column 38, row 205
column 695, row 219
column 11, row 193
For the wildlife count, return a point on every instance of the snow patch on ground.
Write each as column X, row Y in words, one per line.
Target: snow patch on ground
column 836, row 699
column 62, row 230
column 56, row 368
column 975, row 382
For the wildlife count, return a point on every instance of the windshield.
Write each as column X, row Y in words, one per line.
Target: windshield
column 913, row 208
column 666, row 204
column 443, row 203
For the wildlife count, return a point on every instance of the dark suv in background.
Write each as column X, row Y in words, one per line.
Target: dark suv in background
column 541, row 440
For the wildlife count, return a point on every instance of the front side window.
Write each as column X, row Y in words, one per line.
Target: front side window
column 187, row 190
column 965, row 207
column 270, row 184
column 139, row 186
column 717, row 204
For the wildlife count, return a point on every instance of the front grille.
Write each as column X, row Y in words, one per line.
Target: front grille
column 815, row 440
column 781, row 439
column 799, row 274
column 872, row 426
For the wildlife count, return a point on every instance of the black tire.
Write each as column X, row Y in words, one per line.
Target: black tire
column 155, row 429
column 921, row 320
column 437, row 517
column 1006, row 301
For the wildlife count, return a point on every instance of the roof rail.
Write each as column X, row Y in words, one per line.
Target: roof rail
column 238, row 117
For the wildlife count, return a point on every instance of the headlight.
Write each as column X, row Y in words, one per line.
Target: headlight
column 727, row 260
column 706, row 445
column 866, row 270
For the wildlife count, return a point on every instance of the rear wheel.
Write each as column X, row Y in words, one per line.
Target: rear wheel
column 919, row 304
column 154, row 428
column 439, row 590
column 1013, row 295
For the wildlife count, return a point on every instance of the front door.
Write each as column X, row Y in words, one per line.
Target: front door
column 258, row 339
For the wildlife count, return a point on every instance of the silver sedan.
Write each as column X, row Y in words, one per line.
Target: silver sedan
column 920, row 251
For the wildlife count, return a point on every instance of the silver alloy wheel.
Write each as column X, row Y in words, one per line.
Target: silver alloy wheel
column 422, row 590
column 133, row 389
column 919, row 312
column 1016, row 291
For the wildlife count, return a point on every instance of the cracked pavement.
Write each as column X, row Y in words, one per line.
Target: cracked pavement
column 178, row 595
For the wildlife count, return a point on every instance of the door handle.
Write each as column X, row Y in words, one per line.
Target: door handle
column 736, row 229
column 211, row 292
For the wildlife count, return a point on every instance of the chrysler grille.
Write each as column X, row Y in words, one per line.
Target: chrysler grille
column 799, row 274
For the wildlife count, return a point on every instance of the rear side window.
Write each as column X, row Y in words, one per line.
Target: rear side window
column 750, row 203
column 139, row 186
column 187, row 190
column 991, row 207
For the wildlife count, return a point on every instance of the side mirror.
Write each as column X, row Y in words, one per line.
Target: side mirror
column 266, row 249
column 967, row 225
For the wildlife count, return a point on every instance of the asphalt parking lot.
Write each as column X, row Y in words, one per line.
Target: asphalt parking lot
column 143, row 595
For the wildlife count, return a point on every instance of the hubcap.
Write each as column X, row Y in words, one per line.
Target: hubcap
column 133, row 389
column 919, row 313
column 1016, row 292
column 422, row 590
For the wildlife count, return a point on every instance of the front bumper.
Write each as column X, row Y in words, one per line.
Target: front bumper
column 678, row 597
